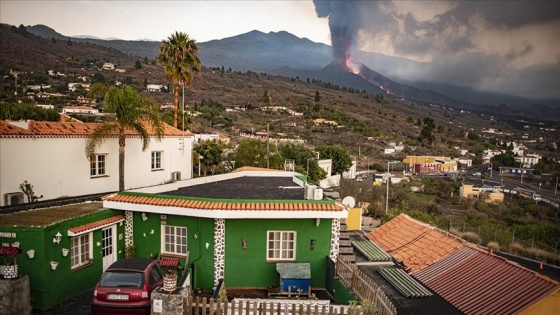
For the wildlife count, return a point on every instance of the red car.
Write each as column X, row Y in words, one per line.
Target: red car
column 126, row 287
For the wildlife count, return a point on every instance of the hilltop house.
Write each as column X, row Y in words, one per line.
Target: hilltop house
column 50, row 156
column 235, row 226
column 79, row 110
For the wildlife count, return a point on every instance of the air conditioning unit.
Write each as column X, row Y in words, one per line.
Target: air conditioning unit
column 318, row 194
column 310, row 192
column 14, row 198
column 175, row 176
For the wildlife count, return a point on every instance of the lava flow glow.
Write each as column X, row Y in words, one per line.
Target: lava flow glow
column 355, row 68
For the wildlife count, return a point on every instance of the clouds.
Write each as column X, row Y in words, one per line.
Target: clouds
column 482, row 44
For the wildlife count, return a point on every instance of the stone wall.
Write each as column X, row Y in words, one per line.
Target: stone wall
column 15, row 296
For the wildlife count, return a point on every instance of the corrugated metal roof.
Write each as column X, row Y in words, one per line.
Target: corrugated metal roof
column 404, row 283
column 477, row 282
column 371, row 251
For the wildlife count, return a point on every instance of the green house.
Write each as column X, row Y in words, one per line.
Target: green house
column 234, row 227
column 64, row 249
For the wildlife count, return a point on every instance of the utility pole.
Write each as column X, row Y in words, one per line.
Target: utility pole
column 267, row 147
column 556, row 187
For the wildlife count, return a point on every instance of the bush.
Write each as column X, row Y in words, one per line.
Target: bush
column 495, row 246
column 471, row 237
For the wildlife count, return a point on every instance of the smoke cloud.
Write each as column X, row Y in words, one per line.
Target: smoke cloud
column 488, row 45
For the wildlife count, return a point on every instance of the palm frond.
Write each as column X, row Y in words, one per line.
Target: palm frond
column 98, row 137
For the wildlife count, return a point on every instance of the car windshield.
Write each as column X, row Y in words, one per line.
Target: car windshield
column 122, row 279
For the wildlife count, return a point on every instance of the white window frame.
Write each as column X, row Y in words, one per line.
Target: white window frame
column 282, row 253
column 81, row 249
column 156, row 160
column 94, row 165
column 176, row 244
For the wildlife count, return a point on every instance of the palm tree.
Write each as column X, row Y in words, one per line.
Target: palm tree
column 131, row 113
column 178, row 55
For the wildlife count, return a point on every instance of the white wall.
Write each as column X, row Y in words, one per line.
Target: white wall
column 58, row 167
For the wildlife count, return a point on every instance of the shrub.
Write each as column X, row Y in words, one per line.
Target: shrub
column 471, row 237
column 495, row 246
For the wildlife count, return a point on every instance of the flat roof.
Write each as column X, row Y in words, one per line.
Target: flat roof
column 247, row 187
column 48, row 216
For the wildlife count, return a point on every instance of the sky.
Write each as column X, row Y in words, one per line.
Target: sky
column 504, row 46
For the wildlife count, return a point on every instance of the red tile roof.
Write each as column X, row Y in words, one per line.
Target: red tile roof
column 414, row 243
column 469, row 278
column 48, row 129
column 233, row 205
column 480, row 283
column 94, row 225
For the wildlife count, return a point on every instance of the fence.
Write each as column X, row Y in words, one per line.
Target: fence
column 204, row 306
column 374, row 301
column 363, row 286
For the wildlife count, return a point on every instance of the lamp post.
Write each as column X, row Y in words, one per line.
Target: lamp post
column 200, row 157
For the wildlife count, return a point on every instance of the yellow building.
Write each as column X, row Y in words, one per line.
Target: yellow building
column 430, row 164
column 489, row 195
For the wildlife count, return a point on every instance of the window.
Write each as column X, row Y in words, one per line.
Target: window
column 156, row 160
column 281, row 245
column 174, row 239
column 97, row 165
column 80, row 253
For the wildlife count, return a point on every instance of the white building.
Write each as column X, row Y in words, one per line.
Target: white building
column 155, row 88
column 50, row 156
column 528, row 160
column 79, row 110
column 73, row 86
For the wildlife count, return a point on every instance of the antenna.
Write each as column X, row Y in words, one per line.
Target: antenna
column 349, row 201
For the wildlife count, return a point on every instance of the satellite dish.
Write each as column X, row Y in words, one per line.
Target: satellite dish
column 349, row 201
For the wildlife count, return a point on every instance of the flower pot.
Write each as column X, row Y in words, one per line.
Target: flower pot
column 54, row 264
column 65, row 252
column 31, row 253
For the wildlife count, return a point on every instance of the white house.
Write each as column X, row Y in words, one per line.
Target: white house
column 79, row 110
column 155, row 88
column 50, row 156
column 528, row 160
column 108, row 66
column 73, row 86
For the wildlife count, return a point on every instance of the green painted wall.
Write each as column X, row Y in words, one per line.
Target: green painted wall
column 50, row 287
column 249, row 268
column 148, row 244
column 341, row 294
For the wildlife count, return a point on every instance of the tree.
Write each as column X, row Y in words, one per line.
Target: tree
column 253, row 152
column 178, row 55
column 305, row 160
column 137, row 65
column 265, row 99
column 97, row 91
column 317, row 96
column 212, row 153
column 341, row 161
column 69, row 42
column 505, row 159
column 130, row 111
column 426, row 134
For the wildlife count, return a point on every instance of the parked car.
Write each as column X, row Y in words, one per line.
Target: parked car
column 126, row 287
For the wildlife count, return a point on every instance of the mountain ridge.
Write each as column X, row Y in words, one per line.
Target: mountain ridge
column 283, row 53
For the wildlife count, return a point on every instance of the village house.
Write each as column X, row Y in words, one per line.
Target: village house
column 462, row 273
column 528, row 160
column 73, row 86
column 430, row 164
column 50, row 156
column 77, row 242
column 108, row 66
column 234, row 227
column 487, row 194
column 79, row 110
column 156, row 88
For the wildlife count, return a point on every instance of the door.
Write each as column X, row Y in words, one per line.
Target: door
column 109, row 245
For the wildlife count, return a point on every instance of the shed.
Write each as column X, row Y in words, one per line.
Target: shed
column 295, row 277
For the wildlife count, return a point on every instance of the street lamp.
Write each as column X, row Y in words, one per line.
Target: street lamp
column 200, row 157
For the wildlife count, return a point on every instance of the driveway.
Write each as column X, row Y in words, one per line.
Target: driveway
column 78, row 305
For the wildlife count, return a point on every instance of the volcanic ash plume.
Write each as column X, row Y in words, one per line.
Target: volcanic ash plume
column 344, row 23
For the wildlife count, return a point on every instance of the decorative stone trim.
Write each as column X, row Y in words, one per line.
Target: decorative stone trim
column 128, row 228
column 335, row 239
column 219, row 249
